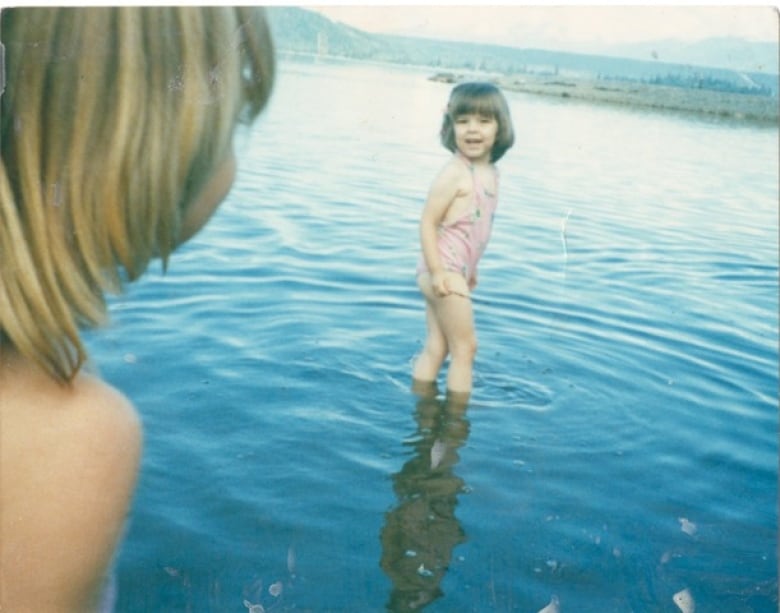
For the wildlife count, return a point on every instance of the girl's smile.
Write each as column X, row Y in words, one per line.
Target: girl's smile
column 475, row 135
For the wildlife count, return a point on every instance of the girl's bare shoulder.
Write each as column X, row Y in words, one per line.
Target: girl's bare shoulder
column 456, row 168
column 46, row 408
column 455, row 175
column 69, row 459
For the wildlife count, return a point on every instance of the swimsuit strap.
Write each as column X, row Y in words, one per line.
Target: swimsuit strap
column 466, row 161
column 479, row 188
column 474, row 179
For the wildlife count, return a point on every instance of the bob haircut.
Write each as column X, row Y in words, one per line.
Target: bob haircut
column 112, row 122
column 483, row 99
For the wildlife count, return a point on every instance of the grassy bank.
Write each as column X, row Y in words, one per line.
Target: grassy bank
column 727, row 105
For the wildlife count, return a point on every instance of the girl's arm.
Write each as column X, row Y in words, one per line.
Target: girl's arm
column 443, row 192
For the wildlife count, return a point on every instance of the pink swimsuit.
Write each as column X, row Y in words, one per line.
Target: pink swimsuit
column 462, row 242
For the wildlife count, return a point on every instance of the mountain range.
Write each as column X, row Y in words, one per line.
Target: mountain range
column 722, row 52
column 729, row 64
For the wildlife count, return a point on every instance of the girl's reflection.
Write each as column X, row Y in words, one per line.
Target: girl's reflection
column 421, row 531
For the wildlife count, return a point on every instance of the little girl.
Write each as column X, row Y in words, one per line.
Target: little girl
column 455, row 228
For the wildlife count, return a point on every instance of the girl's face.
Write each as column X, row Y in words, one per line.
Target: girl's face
column 475, row 135
column 199, row 211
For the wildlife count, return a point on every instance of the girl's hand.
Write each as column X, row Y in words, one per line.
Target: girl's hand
column 473, row 281
column 439, row 283
column 447, row 282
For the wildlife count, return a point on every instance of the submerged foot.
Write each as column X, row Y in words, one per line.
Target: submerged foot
column 424, row 389
column 457, row 401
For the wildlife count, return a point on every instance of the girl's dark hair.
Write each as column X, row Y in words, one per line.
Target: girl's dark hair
column 482, row 99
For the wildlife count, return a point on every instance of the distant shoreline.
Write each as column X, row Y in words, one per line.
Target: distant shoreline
column 727, row 105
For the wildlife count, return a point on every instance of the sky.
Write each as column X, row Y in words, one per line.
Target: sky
column 563, row 26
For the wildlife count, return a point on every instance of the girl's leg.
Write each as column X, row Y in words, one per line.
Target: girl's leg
column 455, row 317
column 428, row 363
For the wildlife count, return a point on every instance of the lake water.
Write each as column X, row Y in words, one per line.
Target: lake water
column 621, row 443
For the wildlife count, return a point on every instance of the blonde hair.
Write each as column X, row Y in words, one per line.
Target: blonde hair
column 113, row 120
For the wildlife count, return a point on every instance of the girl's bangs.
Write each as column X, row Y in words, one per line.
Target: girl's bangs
column 479, row 105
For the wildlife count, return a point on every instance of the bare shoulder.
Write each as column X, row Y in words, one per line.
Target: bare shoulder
column 85, row 418
column 68, row 465
column 455, row 172
column 453, row 181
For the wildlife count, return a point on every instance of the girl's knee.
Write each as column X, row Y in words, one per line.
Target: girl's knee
column 436, row 351
column 465, row 348
column 473, row 346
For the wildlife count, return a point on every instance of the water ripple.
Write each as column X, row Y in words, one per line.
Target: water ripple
column 626, row 377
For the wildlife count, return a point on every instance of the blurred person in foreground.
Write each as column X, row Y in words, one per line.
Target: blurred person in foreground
column 116, row 144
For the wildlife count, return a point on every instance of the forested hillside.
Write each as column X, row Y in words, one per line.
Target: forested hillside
column 301, row 31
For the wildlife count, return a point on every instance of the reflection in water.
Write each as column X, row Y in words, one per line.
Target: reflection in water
column 421, row 531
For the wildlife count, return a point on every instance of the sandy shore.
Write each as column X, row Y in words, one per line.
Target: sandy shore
column 740, row 107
